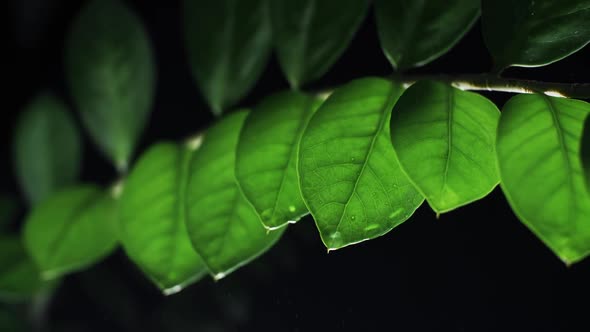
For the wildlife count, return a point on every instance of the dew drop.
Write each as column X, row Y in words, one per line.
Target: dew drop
column 266, row 214
column 352, row 217
column 352, row 159
column 291, row 208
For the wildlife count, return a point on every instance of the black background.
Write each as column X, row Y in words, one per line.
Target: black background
column 476, row 269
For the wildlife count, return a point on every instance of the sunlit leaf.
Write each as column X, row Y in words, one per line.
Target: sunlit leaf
column 224, row 228
column 47, row 149
column 19, row 277
column 266, row 157
column 349, row 176
column 310, row 35
column 585, row 150
column 413, row 33
column 538, row 148
column 152, row 218
column 71, row 230
column 111, row 75
column 533, row 33
column 229, row 42
column 444, row 139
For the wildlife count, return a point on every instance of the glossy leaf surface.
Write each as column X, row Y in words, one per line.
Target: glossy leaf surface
column 349, row 176
column 534, row 33
column 71, row 230
column 19, row 277
column 47, row 151
column 310, row 35
column 224, row 228
column 266, row 158
column 444, row 139
column 152, row 218
column 413, row 33
column 229, row 42
column 111, row 75
column 538, row 148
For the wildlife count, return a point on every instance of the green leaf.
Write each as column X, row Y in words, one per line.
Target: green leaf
column 585, row 151
column 111, row 75
column 19, row 277
column 229, row 43
column 47, row 151
column 266, row 158
column 224, row 228
column 349, row 176
column 71, row 230
column 152, row 218
column 414, row 33
column 310, row 35
column 538, row 148
column 444, row 139
column 8, row 210
column 532, row 33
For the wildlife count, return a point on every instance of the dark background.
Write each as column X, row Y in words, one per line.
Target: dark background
column 476, row 269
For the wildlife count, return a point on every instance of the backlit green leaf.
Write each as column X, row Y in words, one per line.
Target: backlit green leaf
column 71, row 230
column 152, row 218
column 19, row 277
column 538, row 148
column 310, row 35
column 111, row 75
column 585, row 150
column 349, row 176
column 415, row 32
column 444, row 139
column 47, row 150
column 229, row 42
column 224, row 228
column 532, row 33
column 266, row 157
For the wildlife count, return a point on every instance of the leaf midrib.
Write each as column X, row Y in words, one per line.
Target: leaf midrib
column 382, row 120
column 185, row 158
column 450, row 102
column 292, row 154
column 563, row 149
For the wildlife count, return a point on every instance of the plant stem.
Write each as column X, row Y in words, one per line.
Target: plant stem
column 488, row 82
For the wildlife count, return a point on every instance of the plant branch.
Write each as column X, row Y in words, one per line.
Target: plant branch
column 488, row 82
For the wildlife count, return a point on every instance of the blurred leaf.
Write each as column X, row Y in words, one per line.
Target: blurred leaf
column 71, row 230
column 19, row 277
column 310, row 35
column 224, row 228
column 46, row 147
column 414, row 33
column 152, row 218
column 348, row 173
column 266, row 157
column 538, row 150
column 444, row 139
column 229, row 42
column 532, row 33
column 8, row 210
column 111, row 75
